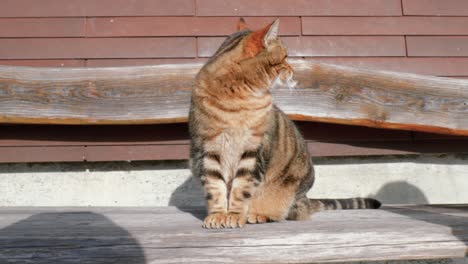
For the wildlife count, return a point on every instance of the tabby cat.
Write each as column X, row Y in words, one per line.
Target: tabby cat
column 251, row 159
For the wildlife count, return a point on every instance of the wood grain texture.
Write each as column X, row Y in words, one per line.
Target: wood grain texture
column 45, row 63
column 90, row 8
column 42, row 27
column 141, row 152
column 163, row 151
column 443, row 67
column 42, row 154
column 437, row 46
column 145, row 62
column 28, row 143
column 45, row 143
column 402, row 25
column 435, row 7
column 325, row 46
column 161, row 94
column 171, row 235
column 298, row 8
column 96, row 48
column 172, row 134
column 180, row 26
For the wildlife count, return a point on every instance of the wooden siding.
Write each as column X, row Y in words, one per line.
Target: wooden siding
column 419, row 36
column 36, row 143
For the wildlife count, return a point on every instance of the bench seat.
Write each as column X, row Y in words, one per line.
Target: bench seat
column 173, row 235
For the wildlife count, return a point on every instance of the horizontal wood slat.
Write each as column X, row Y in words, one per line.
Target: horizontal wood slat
column 28, row 143
column 354, row 46
column 327, row 46
column 139, row 152
column 444, row 67
column 385, row 25
column 387, row 148
column 45, row 63
column 42, row 27
column 76, row 8
column 435, row 7
column 151, row 142
column 174, row 235
column 68, row 48
column 181, row 26
column 42, row 154
column 435, row 46
column 142, row 62
column 160, row 94
column 172, row 134
column 43, row 135
column 222, row 26
column 298, row 8
column 422, row 65
column 127, row 152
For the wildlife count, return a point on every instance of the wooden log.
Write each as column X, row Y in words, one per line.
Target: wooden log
column 171, row 235
column 161, row 94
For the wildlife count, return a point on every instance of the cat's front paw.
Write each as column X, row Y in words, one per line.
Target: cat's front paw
column 223, row 220
column 257, row 219
column 215, row 220
column 235, row 220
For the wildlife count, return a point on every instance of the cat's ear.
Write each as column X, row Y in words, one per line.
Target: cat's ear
column 241, row 25
column 266, row 35
column 272, row 33
column 262, row 38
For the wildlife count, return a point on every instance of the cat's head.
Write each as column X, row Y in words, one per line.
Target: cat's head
column 258, row 56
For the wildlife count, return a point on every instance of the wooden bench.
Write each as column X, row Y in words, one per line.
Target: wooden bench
column 159, row 96
column 32, row 99
column 170, row 235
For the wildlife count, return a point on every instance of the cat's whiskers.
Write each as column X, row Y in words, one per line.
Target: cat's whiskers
column 288, row 82
column 291, row 83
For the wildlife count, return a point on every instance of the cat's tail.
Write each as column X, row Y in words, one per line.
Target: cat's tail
column 304, row 206
column 343, row 204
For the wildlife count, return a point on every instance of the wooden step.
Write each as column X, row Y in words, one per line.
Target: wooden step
column 172, row 235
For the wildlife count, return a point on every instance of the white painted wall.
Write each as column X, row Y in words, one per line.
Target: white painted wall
column 403, row 179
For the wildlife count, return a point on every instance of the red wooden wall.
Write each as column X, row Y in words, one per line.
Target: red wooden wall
column 421, row 36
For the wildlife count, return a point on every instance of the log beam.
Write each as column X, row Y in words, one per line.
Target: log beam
column 161, row 94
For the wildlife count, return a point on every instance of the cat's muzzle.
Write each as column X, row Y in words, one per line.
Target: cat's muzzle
column 285, row 78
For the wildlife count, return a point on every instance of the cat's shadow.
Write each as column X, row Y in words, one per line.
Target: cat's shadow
column 67, row 237
column 189, row 197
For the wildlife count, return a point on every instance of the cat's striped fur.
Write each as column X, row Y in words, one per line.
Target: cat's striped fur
column 251, row 159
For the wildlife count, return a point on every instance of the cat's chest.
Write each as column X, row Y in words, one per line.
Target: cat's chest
column 236, row 140
column 231, row 144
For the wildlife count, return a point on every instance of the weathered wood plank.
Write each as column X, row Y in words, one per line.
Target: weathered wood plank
column 170, row 235
column 160, row 94
column 167, row 134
